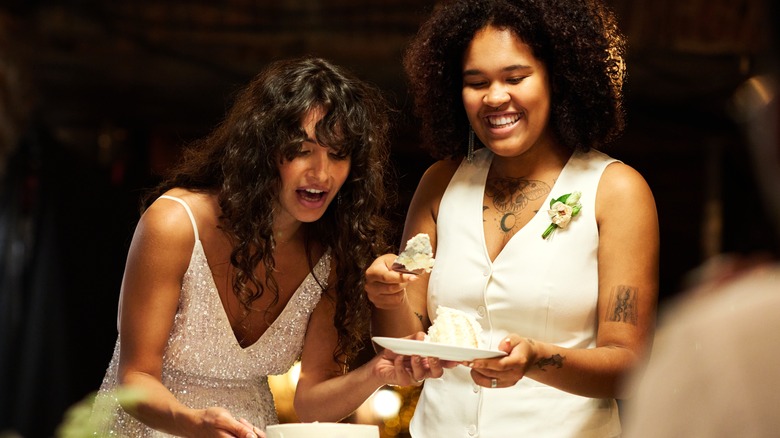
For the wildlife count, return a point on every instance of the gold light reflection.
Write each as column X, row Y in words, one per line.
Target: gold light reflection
column 390, row 407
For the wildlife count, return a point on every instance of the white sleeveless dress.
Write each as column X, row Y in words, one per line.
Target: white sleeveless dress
column 545, row 289
column 204, row 365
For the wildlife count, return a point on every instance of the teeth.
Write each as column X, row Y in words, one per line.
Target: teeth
column 314, row 191
column 500, row 121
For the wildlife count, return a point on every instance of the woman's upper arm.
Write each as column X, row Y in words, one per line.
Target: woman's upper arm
column 157, row 260
column 317, row 361
column 628, row 259
column 421, row 218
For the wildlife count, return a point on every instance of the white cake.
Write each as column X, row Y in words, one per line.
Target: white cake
column 322, row 430
column 417, row 256
column 454, row 327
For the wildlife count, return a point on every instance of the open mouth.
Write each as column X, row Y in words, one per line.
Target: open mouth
column 311, row 195
column 502, row 121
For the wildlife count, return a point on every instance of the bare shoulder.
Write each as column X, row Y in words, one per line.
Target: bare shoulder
column 167, row 220
column 436, row 178
column 425, row 203
column 200, row 202
column 623, row 189
column 441, row 170
column 159, row 254
column 622, row 183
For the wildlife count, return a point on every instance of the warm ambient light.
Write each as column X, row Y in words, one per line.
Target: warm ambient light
column 390, row 408
column 386, row 403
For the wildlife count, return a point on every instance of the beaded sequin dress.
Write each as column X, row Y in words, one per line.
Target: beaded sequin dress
column 204, row 365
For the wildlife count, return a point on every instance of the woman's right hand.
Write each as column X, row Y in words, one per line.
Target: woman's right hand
column 219, row 422
column 386, row 288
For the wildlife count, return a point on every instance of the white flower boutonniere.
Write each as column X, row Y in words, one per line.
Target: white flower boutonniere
column 561, row 211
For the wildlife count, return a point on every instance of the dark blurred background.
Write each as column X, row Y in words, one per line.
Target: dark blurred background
column 97, row 97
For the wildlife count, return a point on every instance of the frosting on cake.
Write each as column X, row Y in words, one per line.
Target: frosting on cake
column 322, row 430
column 417, row 256
column 454, row 327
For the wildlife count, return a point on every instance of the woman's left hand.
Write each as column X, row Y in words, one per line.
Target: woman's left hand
column 505, row 371
column 401, row 370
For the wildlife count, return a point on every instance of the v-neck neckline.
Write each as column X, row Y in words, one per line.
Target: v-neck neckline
column 531, row 224
column 223, row 316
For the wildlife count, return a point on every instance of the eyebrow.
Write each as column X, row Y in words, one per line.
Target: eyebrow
column 473, row 72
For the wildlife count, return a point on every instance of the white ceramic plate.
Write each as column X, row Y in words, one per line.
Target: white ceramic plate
column 430, row 349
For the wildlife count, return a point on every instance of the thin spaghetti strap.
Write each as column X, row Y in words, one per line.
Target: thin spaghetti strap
column 189, row 212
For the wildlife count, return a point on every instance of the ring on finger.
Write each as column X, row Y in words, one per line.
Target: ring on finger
column 493, row 383
column 411, row 374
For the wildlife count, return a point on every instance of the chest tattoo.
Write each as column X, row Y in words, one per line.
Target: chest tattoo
column 510, row 196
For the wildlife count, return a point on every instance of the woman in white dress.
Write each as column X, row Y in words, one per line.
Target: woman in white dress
column 550, row 244
column 250, row 256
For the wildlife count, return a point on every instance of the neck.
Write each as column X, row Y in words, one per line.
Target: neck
column 287, row 235
column 531, row 162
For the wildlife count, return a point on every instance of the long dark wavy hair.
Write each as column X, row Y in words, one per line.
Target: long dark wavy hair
column 240, row 160
column 577, row 40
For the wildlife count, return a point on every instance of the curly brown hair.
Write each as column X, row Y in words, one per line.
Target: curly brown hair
column 239, row 160
column 577, row 40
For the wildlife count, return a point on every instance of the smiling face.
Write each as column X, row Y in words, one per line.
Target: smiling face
column 506, row 93
column 310, row 181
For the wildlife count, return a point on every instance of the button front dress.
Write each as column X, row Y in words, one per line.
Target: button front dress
column 544, row 289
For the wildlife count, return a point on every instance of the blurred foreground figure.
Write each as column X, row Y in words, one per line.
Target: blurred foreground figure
column 714, row 369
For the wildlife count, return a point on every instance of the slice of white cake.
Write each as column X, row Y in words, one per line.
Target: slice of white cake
column 454, row 327
column 417, row 256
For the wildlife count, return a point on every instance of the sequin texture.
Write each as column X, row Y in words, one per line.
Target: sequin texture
column 204, row 365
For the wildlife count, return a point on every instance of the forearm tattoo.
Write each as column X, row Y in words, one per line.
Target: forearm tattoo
column 420, row 317
column 554, row 360
column 511, row 196
column 622, row 305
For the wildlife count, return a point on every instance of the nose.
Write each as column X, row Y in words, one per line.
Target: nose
column 496, row 96
column 319, row 166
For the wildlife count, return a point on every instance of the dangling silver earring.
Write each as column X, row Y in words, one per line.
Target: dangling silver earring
column 338, row 199
column 470, row 150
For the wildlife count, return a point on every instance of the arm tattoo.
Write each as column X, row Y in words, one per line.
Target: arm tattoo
column 555, row 359
column 511, row 196
column 420, row 317
column 622, row 305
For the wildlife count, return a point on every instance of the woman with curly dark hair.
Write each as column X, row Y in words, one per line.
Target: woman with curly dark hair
column 250, row 256
column 548, row 243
